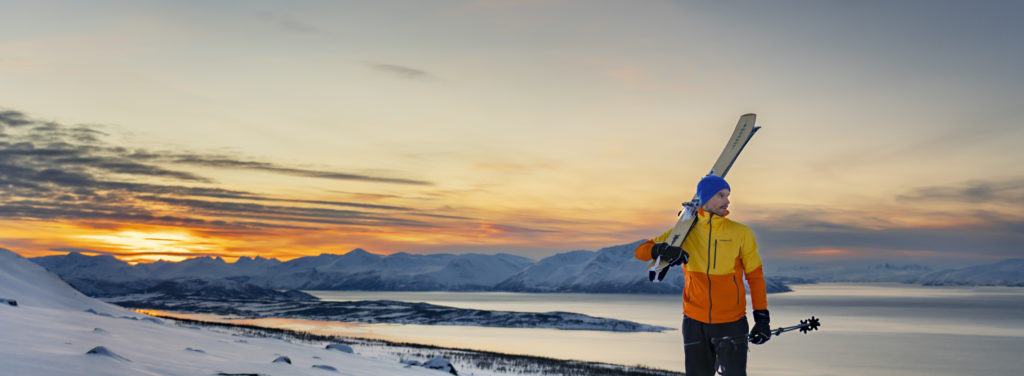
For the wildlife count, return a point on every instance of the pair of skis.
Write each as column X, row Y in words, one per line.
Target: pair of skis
column 744, row 130
column 687, row 217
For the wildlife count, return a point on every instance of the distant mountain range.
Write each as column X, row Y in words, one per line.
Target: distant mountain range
column 1003, row 273
column 844, row 273
column 609, row 270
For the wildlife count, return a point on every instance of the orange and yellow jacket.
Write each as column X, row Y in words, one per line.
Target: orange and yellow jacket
column 721, row 253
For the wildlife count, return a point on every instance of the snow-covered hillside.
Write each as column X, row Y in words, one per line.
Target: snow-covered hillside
column 51, row 329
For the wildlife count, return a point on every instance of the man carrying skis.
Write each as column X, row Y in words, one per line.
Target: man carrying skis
column 717, row 254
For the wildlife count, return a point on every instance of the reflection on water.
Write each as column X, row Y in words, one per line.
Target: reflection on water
column 877, row 329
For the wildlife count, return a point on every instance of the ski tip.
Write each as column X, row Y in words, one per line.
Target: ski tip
column 749, row 114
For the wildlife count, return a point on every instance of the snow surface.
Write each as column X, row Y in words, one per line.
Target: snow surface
column 53, row 328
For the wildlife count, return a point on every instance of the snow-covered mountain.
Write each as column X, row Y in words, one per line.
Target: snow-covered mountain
column 362, row 270
column 848, row 273
column 50, row 328
column 356, row 270
column 1004, row 273
column 609, row 270
column 75, row 265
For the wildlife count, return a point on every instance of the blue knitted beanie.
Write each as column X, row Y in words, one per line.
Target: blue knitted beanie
column 709, row 186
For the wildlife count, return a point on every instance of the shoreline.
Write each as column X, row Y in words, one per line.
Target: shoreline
column 477, row 362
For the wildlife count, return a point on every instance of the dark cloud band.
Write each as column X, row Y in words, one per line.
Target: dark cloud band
column 50, row 171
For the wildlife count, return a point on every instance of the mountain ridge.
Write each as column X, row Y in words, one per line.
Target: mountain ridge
column 607, row 270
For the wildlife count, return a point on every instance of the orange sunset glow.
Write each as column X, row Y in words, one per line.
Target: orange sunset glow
column 198, row 130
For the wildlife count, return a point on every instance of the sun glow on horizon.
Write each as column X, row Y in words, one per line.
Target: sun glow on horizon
column 142, row 246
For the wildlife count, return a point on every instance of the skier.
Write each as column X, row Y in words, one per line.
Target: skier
column 717, row 253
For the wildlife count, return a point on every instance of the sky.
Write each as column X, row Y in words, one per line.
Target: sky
column 174, row 129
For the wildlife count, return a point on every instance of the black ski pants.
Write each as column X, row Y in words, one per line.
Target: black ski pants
column 708, row 347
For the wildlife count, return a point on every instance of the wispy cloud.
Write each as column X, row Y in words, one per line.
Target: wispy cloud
column 402, row 71
column 1010, row 191
column 965, row 242
column 225, row 162
column 289, row 22
column 133, row 254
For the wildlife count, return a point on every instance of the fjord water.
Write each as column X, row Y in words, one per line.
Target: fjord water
column 867, row 329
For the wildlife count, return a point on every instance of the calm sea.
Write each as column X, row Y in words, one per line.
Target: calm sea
column 867, row 329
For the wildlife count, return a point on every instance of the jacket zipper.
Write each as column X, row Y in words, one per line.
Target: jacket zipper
column 734, row 283
column 715, row 262
column 708, row 272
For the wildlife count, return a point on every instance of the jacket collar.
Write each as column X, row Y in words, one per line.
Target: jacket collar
column 704, row 214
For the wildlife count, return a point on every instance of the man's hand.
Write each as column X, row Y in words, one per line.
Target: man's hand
column 669, row 253
column 761, row 332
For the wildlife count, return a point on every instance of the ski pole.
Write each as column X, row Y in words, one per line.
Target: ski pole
column 805, row 326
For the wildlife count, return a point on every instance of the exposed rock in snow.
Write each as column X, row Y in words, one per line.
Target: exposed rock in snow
column 103, row 351
column 340, row 347
column 438, row 362
column 325, row 367
column 283, row 359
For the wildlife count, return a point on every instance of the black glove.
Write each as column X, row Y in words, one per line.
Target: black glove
column 761, row 332
column 669, row 253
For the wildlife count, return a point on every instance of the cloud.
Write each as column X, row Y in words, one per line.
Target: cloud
column 223, row 162
column 289, row 22
column 977, row 240
column 50, row 171
column 402, row 71
column 970, row 219
column 13, row 119
column 1010, row 191
column 134, row 254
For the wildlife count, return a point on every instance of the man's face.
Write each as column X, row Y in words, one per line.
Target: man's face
column 719, row 203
